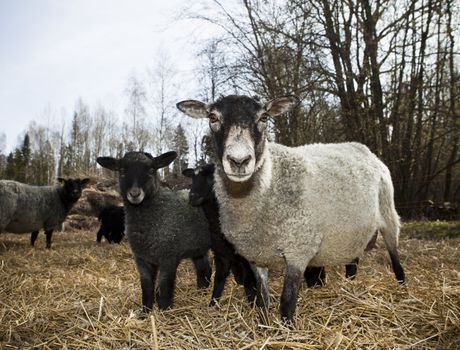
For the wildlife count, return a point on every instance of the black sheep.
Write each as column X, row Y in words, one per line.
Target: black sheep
column 161, row 227
column 225, row 257
column 112, row 220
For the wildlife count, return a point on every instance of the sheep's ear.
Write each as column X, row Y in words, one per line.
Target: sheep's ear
column 164, row 160
column 188, row 172
column 84, row 182
column 61, row 180
column 109, row 163
column 193, row 108
column 281, row 105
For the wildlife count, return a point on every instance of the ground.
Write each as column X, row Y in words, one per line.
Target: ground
column 80, row 295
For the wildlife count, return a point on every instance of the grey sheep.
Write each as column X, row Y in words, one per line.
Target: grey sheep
column 292, row 207
column 25, row 208
column 161, row 227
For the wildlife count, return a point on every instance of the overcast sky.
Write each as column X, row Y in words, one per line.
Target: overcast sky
column 52, row 52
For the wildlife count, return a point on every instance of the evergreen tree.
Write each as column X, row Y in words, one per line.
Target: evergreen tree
column 180, row 145
column 207, row 150
column 11, row 171
column 24, row 160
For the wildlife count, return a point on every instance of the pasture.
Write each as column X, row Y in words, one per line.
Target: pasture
column 80, row 295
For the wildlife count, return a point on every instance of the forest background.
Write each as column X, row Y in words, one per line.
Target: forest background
column 383, row 72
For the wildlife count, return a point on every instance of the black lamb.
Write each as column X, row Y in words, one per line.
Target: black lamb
column 161, row 227
column 225, row 257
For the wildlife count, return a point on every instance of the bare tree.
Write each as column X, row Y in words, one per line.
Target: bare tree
column 137, row 135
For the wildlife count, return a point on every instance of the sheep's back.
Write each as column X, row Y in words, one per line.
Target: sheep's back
column 320, row 198
column 167, row 228
column 36, row 207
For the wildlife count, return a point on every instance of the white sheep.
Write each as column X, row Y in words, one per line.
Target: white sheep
column 314, row 205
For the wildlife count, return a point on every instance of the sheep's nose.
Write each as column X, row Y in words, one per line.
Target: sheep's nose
column 239, row 161
column 135, row 192
column 193, row 196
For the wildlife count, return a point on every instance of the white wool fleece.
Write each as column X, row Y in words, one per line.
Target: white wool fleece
column 314, row 205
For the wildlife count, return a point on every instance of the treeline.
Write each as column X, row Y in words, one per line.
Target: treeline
column 383, row 72
column 46, row 153
column 150, row 123
column 43, row 154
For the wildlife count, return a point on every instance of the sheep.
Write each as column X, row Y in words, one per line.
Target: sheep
column 112, row 220
column 25, row 208
column 161, row 227
column 202, row 194
column 292, row 207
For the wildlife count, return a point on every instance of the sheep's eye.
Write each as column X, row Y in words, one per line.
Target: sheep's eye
column 151, row 171
column 213, row 118
column 263, row 118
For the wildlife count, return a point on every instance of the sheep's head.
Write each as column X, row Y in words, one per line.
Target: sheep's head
column 202, row 184
column 72, row 188
column 137, row 171
column 239, row 129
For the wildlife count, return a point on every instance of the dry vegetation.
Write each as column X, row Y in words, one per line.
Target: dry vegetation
column 81, row 295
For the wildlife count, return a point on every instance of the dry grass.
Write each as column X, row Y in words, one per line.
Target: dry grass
column 80, row 295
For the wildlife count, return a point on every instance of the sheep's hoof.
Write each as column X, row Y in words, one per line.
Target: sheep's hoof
column 144, row 313
column 214, row 303
column 288, row 323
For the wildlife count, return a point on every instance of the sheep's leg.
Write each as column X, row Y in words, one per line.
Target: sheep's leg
column 238, row 271
column 263, row 295
column 250, row 282
column 100, row 233
column 351, row 269
column 315, row 276
column 372, row 242
column 222, row 272
column 165, row 285
column 117, row 236
column 203, row 271
column 48, row 234
column 390, row 231
column 147, row 274
column 391, row 242
column 33, row 237
column 397, row 268
column 290, row 292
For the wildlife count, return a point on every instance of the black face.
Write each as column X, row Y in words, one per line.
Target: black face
column 72, row 188
column 202, row 184
column 137, row 174
column 138, row 177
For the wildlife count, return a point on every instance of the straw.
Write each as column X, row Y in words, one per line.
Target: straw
column 81, row 295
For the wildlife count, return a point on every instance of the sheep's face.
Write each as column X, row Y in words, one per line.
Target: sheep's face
column 239, row 128
column 138, row 176
column 72, row 188
column 202, row 184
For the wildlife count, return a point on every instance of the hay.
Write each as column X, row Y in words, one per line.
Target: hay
column 80, row 295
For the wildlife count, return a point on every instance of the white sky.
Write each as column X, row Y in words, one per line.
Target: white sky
column 52, row 52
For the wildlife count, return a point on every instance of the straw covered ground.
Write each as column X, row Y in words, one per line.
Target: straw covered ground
column 80, row 295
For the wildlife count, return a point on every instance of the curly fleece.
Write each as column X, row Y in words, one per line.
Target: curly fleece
column 314, row 205
column 25, row 208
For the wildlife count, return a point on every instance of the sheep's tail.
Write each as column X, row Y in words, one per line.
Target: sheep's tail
column 391, row 225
